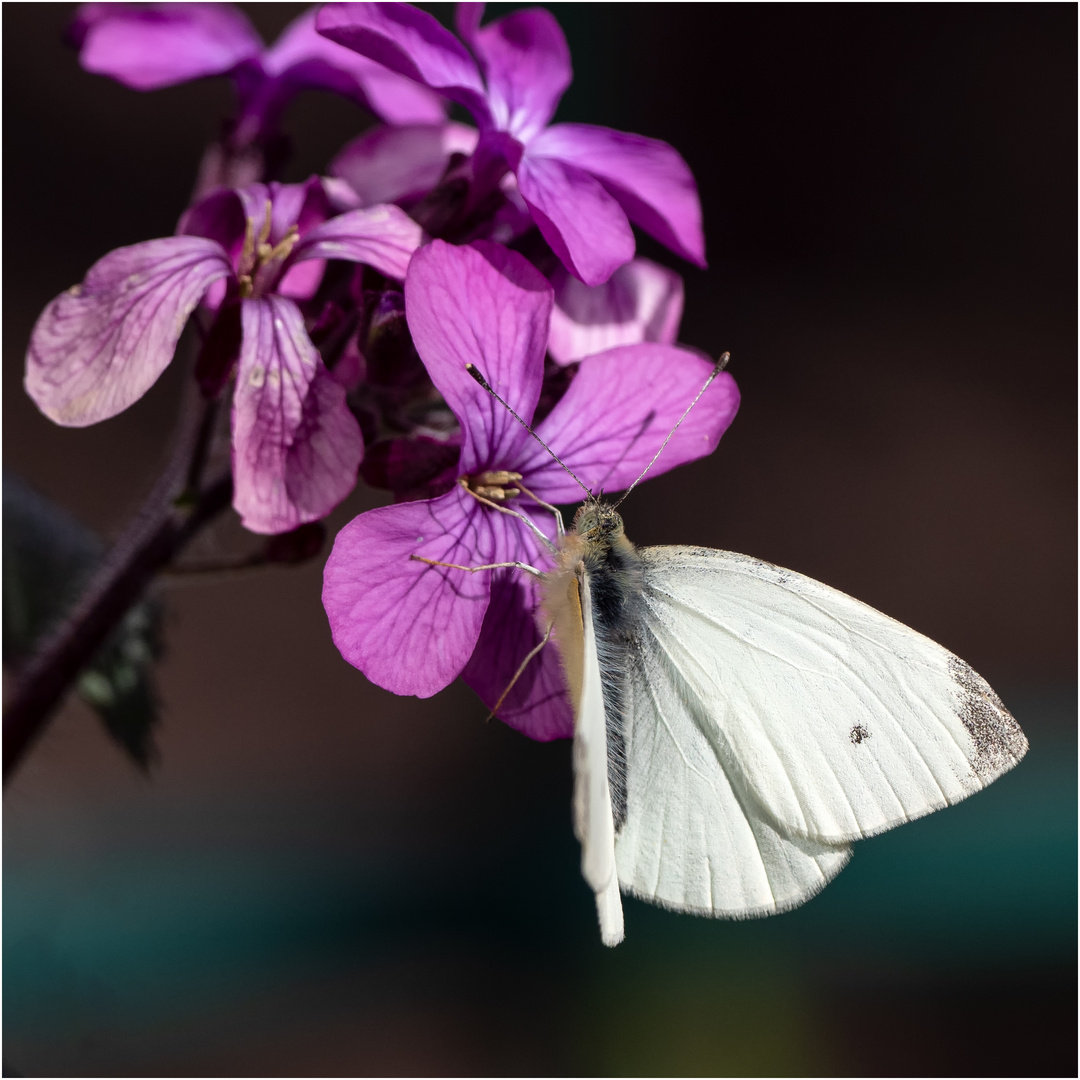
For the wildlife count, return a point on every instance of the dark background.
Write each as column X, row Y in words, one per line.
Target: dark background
column 320, row 878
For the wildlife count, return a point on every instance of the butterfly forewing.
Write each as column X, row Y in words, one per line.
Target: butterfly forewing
column 593, row 818
column 840, row 721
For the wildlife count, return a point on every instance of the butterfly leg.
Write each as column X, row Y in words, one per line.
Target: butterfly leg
column 513, row 513
column 520, row 671
column 560, row 525
column 486, row 566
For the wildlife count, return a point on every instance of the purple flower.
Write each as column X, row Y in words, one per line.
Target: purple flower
column 582, row 184
column 641, row 301
column 149, row 46
column 99, row 346
column 401, row 164
column 412, row 627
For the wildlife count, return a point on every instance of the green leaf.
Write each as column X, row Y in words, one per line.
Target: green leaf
column 48, row 559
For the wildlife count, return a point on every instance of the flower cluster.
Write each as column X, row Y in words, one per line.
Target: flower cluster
column 338, row 316
column 414, row 627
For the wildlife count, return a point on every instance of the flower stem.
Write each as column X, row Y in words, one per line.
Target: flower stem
column 163, row 525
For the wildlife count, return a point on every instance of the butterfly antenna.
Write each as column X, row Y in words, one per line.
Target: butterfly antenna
column 474, row 371
column 719, row 366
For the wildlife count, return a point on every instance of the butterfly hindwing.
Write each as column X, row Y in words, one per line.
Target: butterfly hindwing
column 839, row 721
column 690, row 841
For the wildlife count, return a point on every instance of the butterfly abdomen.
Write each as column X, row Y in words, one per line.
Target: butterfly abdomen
column 613, row 575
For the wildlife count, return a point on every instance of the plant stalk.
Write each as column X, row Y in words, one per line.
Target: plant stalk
column 163, row 525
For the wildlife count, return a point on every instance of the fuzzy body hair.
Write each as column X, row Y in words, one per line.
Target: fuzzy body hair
column 597, row 556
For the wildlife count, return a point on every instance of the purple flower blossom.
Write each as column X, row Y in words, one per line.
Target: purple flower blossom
column 412, row 627
column 401, row 164
column 641, row 301
column 149, row 46
column 582, row 184
column 99, row 346
column 428, row 168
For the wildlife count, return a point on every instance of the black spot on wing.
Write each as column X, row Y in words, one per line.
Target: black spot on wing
column 858, row 733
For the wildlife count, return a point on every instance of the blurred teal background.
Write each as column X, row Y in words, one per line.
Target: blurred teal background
column 288, row 935
column 321, row 879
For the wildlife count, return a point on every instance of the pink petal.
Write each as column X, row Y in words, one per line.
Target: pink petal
column 487, row 306
column 224, row 215
column 584, row 225
column 303, row 205
column 98, row 347
column 305, row 59
column 253, row 198
column 85, row 18
column 538, row 705
column 384, row 237
column 395, row 99
column 340, row 196
column 526, row 61
column 302, row 280
column 296, row 446
column 650, row 180
column 408, row 626
column 642, row 301
column 218, row 216
column 620, row 407
column 411, row 466
column 154, row 45
column 410, row 42
column 398, row 164
column 467, row 17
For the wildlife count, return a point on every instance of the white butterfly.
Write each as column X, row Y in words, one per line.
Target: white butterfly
column 737, row 725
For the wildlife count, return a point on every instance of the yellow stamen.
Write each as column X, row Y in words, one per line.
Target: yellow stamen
column 493, row 484
column 264, row 232
column 247, row 252
column 285, row 245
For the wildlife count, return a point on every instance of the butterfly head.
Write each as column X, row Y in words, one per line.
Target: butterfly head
column 597, row 520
